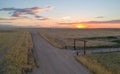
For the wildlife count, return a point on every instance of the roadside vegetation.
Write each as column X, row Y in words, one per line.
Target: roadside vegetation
column 19, row 57
column 54, row 41
column 105, row 63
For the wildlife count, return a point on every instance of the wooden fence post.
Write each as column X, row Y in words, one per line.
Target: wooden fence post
column 85, row 47
column 74, row 44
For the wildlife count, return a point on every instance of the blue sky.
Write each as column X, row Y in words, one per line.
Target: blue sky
column 76, row 10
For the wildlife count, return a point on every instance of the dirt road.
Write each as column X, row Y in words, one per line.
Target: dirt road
column 51, row 60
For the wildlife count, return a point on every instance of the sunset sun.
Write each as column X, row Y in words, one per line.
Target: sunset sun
column 80, row 26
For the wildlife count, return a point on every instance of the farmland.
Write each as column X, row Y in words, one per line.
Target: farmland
column 105, row 63
column 6, row 37
column 96, row 37
column 102, row 63
column 18, row 57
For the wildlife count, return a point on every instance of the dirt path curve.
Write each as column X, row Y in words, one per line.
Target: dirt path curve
column 51, row 60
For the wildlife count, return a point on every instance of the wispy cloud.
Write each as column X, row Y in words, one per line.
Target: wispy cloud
column 99, row 17
column 94, row 22
column 7, row 18
column 41, row 18
column 109, row 21
column 6, row 22
column 21, row 12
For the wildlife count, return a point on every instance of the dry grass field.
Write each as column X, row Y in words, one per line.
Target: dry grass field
column 96, row 37
column 7, row 38
column 19, row 58
column 105, row 63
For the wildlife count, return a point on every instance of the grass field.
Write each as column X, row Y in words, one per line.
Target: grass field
column 8, row 38
column 19, row 58
column 106, row 63
column 96, row 37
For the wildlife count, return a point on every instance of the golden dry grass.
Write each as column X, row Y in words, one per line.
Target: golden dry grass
column 64, row 37
column 109, row 60
column 106, row 63
column 8, row 39
column 54, row 41
column 93, row 65
column 80, row 33
column 19, row 57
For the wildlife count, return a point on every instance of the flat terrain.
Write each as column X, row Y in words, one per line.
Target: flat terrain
column 7, row 40
column 15, row 52
column 101, row 40
column 51, row 60
column 102, row 63
column 99, row 50
column 97, row 38
column 112, row 64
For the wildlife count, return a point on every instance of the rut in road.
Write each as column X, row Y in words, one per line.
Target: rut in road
column 51, row 60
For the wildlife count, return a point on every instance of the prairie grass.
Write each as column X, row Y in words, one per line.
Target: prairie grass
column 93, row 65
column 54, row 41
column 106, row 63
column 19, row 57
column 8, row 39
column 95, row 37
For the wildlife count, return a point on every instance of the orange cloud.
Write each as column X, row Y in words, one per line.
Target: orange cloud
column 95, row 24
column 36, row 10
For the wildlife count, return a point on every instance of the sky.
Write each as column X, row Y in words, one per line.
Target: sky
column 61, row 13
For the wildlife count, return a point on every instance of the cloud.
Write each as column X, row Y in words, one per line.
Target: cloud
column 20, row 12
column 7, row 19
column 6, row 22
column 66, row 18
column 109, row 21
column 67, row 23
column 37, row 16
column 94, row 22
column 42, row 18
column 14, row 18
column 99, row 17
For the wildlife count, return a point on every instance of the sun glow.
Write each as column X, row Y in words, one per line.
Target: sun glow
column 80, row 26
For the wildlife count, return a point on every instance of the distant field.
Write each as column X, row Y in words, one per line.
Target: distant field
column 18, row 58
column 101, row 38
column 8, row 38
